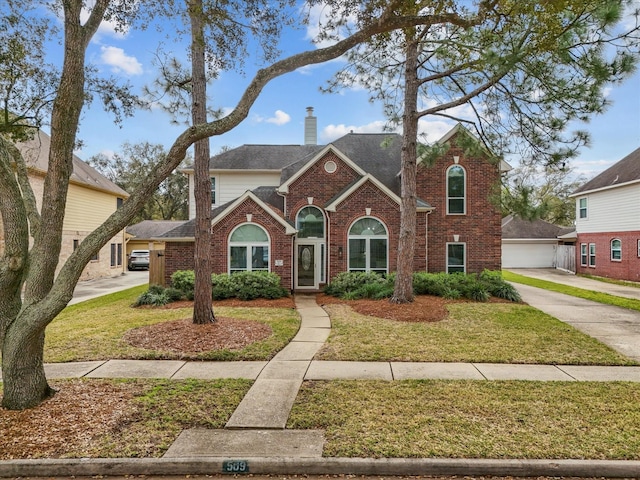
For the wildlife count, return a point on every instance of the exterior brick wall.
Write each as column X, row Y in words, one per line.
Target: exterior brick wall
column 179, row 255
column 480, row 228
column 628, row 268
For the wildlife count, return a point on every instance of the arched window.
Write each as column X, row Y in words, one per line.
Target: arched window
column 456, row 190
column 310, row 223
column 616, row 249
column 248, row 249
column 368, row 245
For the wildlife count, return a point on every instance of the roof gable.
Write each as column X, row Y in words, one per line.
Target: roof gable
column 351, row 189
column 284, row 187
column 624, row 172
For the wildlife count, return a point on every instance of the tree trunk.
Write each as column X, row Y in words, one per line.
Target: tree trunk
column 24, row 381
column 403, row 288
column 202, row 309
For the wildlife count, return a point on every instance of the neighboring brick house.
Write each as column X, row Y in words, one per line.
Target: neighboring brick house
column 91, row 199
column 309, row 212
column 608, row 222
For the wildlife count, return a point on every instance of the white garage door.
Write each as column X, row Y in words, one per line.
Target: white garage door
column 528, row 255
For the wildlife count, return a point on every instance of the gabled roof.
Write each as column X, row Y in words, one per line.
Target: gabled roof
column 350, row 189
column 516, row 228
column 148, row 229
column 297, row 169
column 459, row 128
column 624, row 172
column 266, row 197
column 36, row 153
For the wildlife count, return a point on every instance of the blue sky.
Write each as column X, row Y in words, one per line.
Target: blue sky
column 277, row 117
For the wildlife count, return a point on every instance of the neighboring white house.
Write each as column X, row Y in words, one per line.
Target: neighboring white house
column 608, row 221
column 532, row 244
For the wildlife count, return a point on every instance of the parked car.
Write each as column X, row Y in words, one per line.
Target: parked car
column 138, row 260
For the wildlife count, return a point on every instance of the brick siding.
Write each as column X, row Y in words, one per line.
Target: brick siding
column 628, row 268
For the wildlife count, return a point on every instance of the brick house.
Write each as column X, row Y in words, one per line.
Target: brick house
column 308, row 212
column 608, row 222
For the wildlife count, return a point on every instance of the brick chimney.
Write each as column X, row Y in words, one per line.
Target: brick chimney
column 310, row 128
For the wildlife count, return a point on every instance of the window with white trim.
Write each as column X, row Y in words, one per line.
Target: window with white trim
column 639, row 248
column 456, row 190
column 584, row 257
column 616, row 250
column 248, row 249
column 592, row 254
column 456, row 257
column 310, row 223
column 582, row 207
column 368, row 246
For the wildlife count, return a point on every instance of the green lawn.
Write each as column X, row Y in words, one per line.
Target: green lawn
column 473, row 419
column 93, row 330
column 473, row 332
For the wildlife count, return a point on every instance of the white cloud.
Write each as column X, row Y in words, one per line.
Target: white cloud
column 333, row 132
column 106, row 28
column 429, row 130
column 120, row 61
column 279, row 118
column 591, row 168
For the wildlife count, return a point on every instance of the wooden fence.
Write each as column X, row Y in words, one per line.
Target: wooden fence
column 566, row 258
column 156, row 267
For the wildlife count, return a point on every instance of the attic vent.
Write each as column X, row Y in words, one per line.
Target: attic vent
column 330, row 166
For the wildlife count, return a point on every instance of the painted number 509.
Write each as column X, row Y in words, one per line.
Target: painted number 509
column 235, row 466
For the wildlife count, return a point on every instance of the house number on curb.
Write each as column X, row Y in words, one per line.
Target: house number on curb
column 235, row 466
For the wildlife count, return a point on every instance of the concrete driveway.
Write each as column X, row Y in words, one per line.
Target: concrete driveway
column 616, row 327
column 102, row 286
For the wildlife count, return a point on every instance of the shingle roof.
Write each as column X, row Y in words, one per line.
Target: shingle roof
column 152, row 228
column 261, row 157
column 625, row 171
column 514, row 227
column 36, row 154
column 187, row 229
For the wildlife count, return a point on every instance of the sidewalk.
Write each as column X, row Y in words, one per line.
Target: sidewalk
column 255, row 439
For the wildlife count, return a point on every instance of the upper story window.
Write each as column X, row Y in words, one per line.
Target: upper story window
column 213, row 191
column 119, row 202
column 310, row 223
column 368, row 241
column 616, row 249
column 582, row 207
column 248, row 249
column 456, row 190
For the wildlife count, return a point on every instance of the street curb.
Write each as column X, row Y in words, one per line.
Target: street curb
column 320, row 466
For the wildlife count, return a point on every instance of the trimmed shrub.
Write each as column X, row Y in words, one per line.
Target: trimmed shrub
column 356, row 285
column 349, row 282
column 155, row 298
column 184, row 280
